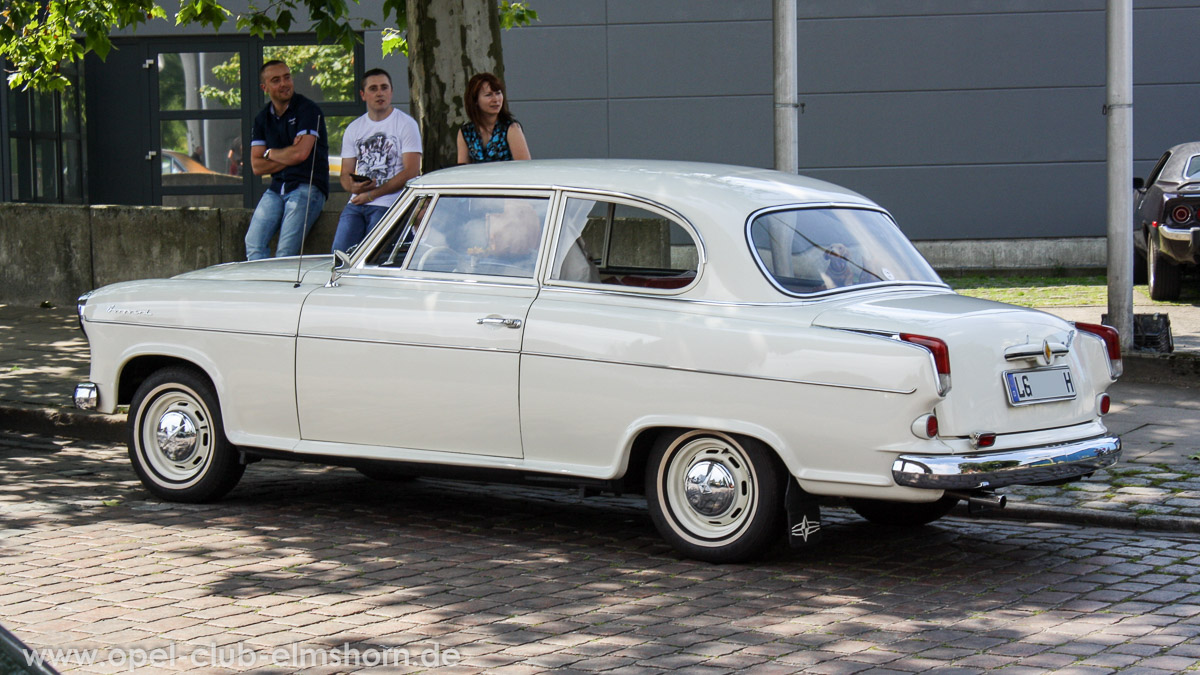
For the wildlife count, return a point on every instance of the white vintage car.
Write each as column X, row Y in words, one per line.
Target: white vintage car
column 735, row 343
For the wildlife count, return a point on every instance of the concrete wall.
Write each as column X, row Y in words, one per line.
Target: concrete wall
column 56, row 253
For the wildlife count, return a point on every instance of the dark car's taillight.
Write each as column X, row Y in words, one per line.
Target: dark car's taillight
column 1181, row 214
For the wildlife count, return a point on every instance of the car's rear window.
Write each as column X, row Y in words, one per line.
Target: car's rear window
column 1192, row 169
column 816, row 250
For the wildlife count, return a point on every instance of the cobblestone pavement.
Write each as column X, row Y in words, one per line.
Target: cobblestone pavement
column 304, row 563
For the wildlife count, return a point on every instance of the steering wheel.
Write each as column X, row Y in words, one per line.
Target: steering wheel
column 437, row 257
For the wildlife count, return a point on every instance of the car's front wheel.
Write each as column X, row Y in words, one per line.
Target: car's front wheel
column 177, row 441
column 902, row 514
column 1163, row 275
column 714, row 496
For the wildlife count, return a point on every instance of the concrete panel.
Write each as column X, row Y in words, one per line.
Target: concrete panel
column 578, row 68
column 874, row 8
column 45, row 253
column 567, row 13
column 660, row 11
column 1044, row 49
column 976, row 127
column 131, row 242
column 1163, row 116
column 731, row 130
column 697, row 59
column 558, row 129
column 986, row 255
column 985, row 202
column 1154, row 61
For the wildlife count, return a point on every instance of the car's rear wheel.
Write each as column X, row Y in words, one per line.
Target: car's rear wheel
column 902, row 514
column 715, row 497
column 1163, row 275
column 177, row 441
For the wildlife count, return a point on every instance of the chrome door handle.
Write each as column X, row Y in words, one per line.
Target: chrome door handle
column 499, row 321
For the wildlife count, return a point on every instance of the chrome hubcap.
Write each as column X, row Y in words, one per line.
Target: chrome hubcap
column 710, row 488
column 176, row 435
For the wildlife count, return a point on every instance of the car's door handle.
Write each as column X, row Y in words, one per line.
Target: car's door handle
column 499, row 321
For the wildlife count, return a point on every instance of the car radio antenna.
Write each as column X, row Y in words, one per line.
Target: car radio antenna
column 312, row 170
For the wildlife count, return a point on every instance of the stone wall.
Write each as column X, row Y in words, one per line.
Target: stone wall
column 56, row 253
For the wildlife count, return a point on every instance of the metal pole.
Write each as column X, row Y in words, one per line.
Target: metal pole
column 787, row 121
column 1119, row 108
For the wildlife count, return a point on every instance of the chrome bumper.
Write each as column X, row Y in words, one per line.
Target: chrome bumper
column 86, row 396
column 1026, row 466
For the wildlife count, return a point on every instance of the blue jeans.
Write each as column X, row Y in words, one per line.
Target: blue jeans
column 283, row 214
column 354, row 224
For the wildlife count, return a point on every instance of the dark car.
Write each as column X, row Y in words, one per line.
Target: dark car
column 1166, row 221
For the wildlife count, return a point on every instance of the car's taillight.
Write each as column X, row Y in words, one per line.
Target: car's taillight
column 1112, row 344
column 1181, row 214
column 941, row 357
column 1104, row 404
column 925, row 426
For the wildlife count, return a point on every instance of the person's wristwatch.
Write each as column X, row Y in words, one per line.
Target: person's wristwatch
column 267, row 153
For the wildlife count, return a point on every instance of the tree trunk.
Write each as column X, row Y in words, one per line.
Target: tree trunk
column 448, row 42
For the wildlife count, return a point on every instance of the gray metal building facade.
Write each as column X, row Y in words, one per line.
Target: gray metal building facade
column 969, row 119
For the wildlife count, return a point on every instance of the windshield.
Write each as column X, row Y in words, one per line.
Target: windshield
column 814, row 250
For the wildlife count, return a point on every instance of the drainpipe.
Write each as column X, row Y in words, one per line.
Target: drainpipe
column 787, row 121
column 1119, row 108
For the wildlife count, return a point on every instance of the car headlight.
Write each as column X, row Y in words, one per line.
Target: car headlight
column 79, row 305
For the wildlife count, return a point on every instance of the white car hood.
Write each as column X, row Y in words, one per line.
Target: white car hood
column 270, row 269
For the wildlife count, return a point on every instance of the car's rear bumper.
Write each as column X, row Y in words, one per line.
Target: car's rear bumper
column 1025, row 466
column 1180, row 243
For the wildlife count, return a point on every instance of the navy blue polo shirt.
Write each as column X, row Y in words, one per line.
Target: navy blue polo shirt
column 301, row 117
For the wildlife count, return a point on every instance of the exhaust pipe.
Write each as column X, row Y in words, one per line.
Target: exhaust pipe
column 978, row 502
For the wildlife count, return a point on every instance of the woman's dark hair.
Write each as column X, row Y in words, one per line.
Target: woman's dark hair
column 471, row 102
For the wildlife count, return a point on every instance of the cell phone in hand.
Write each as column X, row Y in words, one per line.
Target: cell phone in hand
column 359, row 179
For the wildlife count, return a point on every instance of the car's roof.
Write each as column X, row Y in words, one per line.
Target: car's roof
column 667, row 182
column 1177, row 164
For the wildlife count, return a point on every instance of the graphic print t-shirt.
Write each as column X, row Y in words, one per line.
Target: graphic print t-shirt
column 378, row 148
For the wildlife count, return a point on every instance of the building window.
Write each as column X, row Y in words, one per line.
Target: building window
column 45, row 150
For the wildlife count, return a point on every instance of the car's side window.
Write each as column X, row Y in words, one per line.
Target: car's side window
column 1162, row 162
column 394, row 247
column 497, row 236
column 618, row 244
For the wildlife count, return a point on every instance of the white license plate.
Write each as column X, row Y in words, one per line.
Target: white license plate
column 1041, row 385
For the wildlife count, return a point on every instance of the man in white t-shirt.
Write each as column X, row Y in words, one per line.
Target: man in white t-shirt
column 381, row 152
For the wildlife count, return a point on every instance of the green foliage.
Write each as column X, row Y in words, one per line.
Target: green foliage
column 38, row 35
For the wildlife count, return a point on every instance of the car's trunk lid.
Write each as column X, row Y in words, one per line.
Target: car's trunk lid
column 987, row 339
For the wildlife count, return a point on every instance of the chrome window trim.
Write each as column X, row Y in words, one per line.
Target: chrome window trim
column 762, row 266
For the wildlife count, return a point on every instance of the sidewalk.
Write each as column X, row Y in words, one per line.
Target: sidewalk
column 1156, row 486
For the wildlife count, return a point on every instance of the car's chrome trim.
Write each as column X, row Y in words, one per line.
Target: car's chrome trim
column 397, row 343
column 86, row 396
column 478, row 280
column 1183, row 234
column 194, row 329
column 720, row 373
column 1024, row 466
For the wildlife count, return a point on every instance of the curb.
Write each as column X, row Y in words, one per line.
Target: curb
column 1179, row 368
column 62, row 422
column 1091, row 517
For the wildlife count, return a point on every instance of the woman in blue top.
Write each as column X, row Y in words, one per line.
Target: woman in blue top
column 491, row 135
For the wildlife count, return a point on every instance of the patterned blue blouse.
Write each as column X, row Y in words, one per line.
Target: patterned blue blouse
column 496, row 150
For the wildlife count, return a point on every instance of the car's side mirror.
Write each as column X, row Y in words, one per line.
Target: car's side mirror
column 340, row 262
column 1138, row 183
